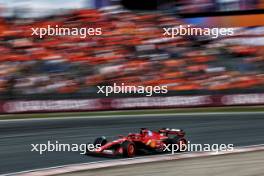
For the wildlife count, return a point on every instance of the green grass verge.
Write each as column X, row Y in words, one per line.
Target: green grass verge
column 134, row 112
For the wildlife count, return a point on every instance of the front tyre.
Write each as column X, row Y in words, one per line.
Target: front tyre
column 129, row 149
column 101, row 141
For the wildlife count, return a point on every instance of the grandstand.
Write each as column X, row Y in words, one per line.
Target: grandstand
column 131, row 50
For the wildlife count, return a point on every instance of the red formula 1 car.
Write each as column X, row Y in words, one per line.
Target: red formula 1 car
column 146, row 141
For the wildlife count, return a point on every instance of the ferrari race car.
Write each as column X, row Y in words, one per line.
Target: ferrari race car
column 146, row 141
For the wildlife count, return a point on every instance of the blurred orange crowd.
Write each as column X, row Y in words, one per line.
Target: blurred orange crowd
column 131, row 50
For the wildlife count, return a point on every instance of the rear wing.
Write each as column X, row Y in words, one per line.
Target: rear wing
column 167, row 131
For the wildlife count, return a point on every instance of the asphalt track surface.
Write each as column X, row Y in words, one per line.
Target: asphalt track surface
column 16, row 137
column 244, row 164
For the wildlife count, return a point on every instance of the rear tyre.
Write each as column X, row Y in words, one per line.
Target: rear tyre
column 129, row 149
column 181, row 143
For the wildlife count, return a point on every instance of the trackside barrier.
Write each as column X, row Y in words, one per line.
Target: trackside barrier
column 31, row 106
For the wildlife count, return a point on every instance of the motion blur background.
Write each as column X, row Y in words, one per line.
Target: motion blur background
column 61, row 74
column 132, row 49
